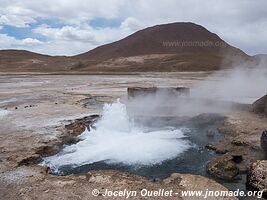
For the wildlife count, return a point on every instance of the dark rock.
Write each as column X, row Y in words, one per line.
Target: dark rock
column 260, row 106
column 223, row 167
column 210, row 133
column 237, row 158
column 264, row 141
column 257, row 176
column 48, row 170
column 221, row 150
column 32, row 159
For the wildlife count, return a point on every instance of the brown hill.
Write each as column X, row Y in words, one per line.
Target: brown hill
column 167, row 47
column 163, row 39
column 26, row 61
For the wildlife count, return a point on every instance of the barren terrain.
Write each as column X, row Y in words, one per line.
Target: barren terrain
column 35, row 109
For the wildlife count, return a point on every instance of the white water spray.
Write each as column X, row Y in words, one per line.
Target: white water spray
column 117, row 140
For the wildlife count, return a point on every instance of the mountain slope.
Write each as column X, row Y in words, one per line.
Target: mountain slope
column 168, row 47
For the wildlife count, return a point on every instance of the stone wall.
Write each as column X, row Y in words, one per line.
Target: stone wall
column 171, row 91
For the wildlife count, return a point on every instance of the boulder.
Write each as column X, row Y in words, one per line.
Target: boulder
column 257, row 176
column 264, row 141
column 260, row 106
column 223, row 167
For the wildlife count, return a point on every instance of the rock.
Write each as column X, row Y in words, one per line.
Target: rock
column 257, row 176
column 79, row 125
column 237, row 158
column 260, row 106
column 48, row 149
column 47, row 170
column 31, row 159
column 210, row 133
column 264, row 141
column 240, row 141
column 219, row 149
column 223, row 167
column 211, row 147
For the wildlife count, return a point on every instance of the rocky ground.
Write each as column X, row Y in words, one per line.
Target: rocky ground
column 37, row 115
column 241, row 150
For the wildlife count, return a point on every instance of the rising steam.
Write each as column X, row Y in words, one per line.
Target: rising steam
column 223, row 91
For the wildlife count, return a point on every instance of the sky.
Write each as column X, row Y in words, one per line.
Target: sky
column 65, row 27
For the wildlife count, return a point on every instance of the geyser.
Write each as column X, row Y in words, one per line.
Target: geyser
column 117, row 139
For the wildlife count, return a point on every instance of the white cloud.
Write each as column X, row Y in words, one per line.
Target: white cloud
column 15, row 20
column 61, row 47
column 66, row 33
column 30, row 42
column 131, row 24
column 6, row 41
column 9, row 42
column 72, row 12
column 79, row 38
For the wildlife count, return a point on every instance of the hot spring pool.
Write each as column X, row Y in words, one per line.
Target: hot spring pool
column 154, row 150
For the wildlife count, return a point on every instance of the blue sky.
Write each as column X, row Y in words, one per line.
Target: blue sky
column 67, row 28
column 102, row 22
column 27, row 32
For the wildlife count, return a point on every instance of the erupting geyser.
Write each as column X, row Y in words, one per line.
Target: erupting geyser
column 117, row 139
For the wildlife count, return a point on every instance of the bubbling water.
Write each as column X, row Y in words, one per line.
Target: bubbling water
column 116, row 139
